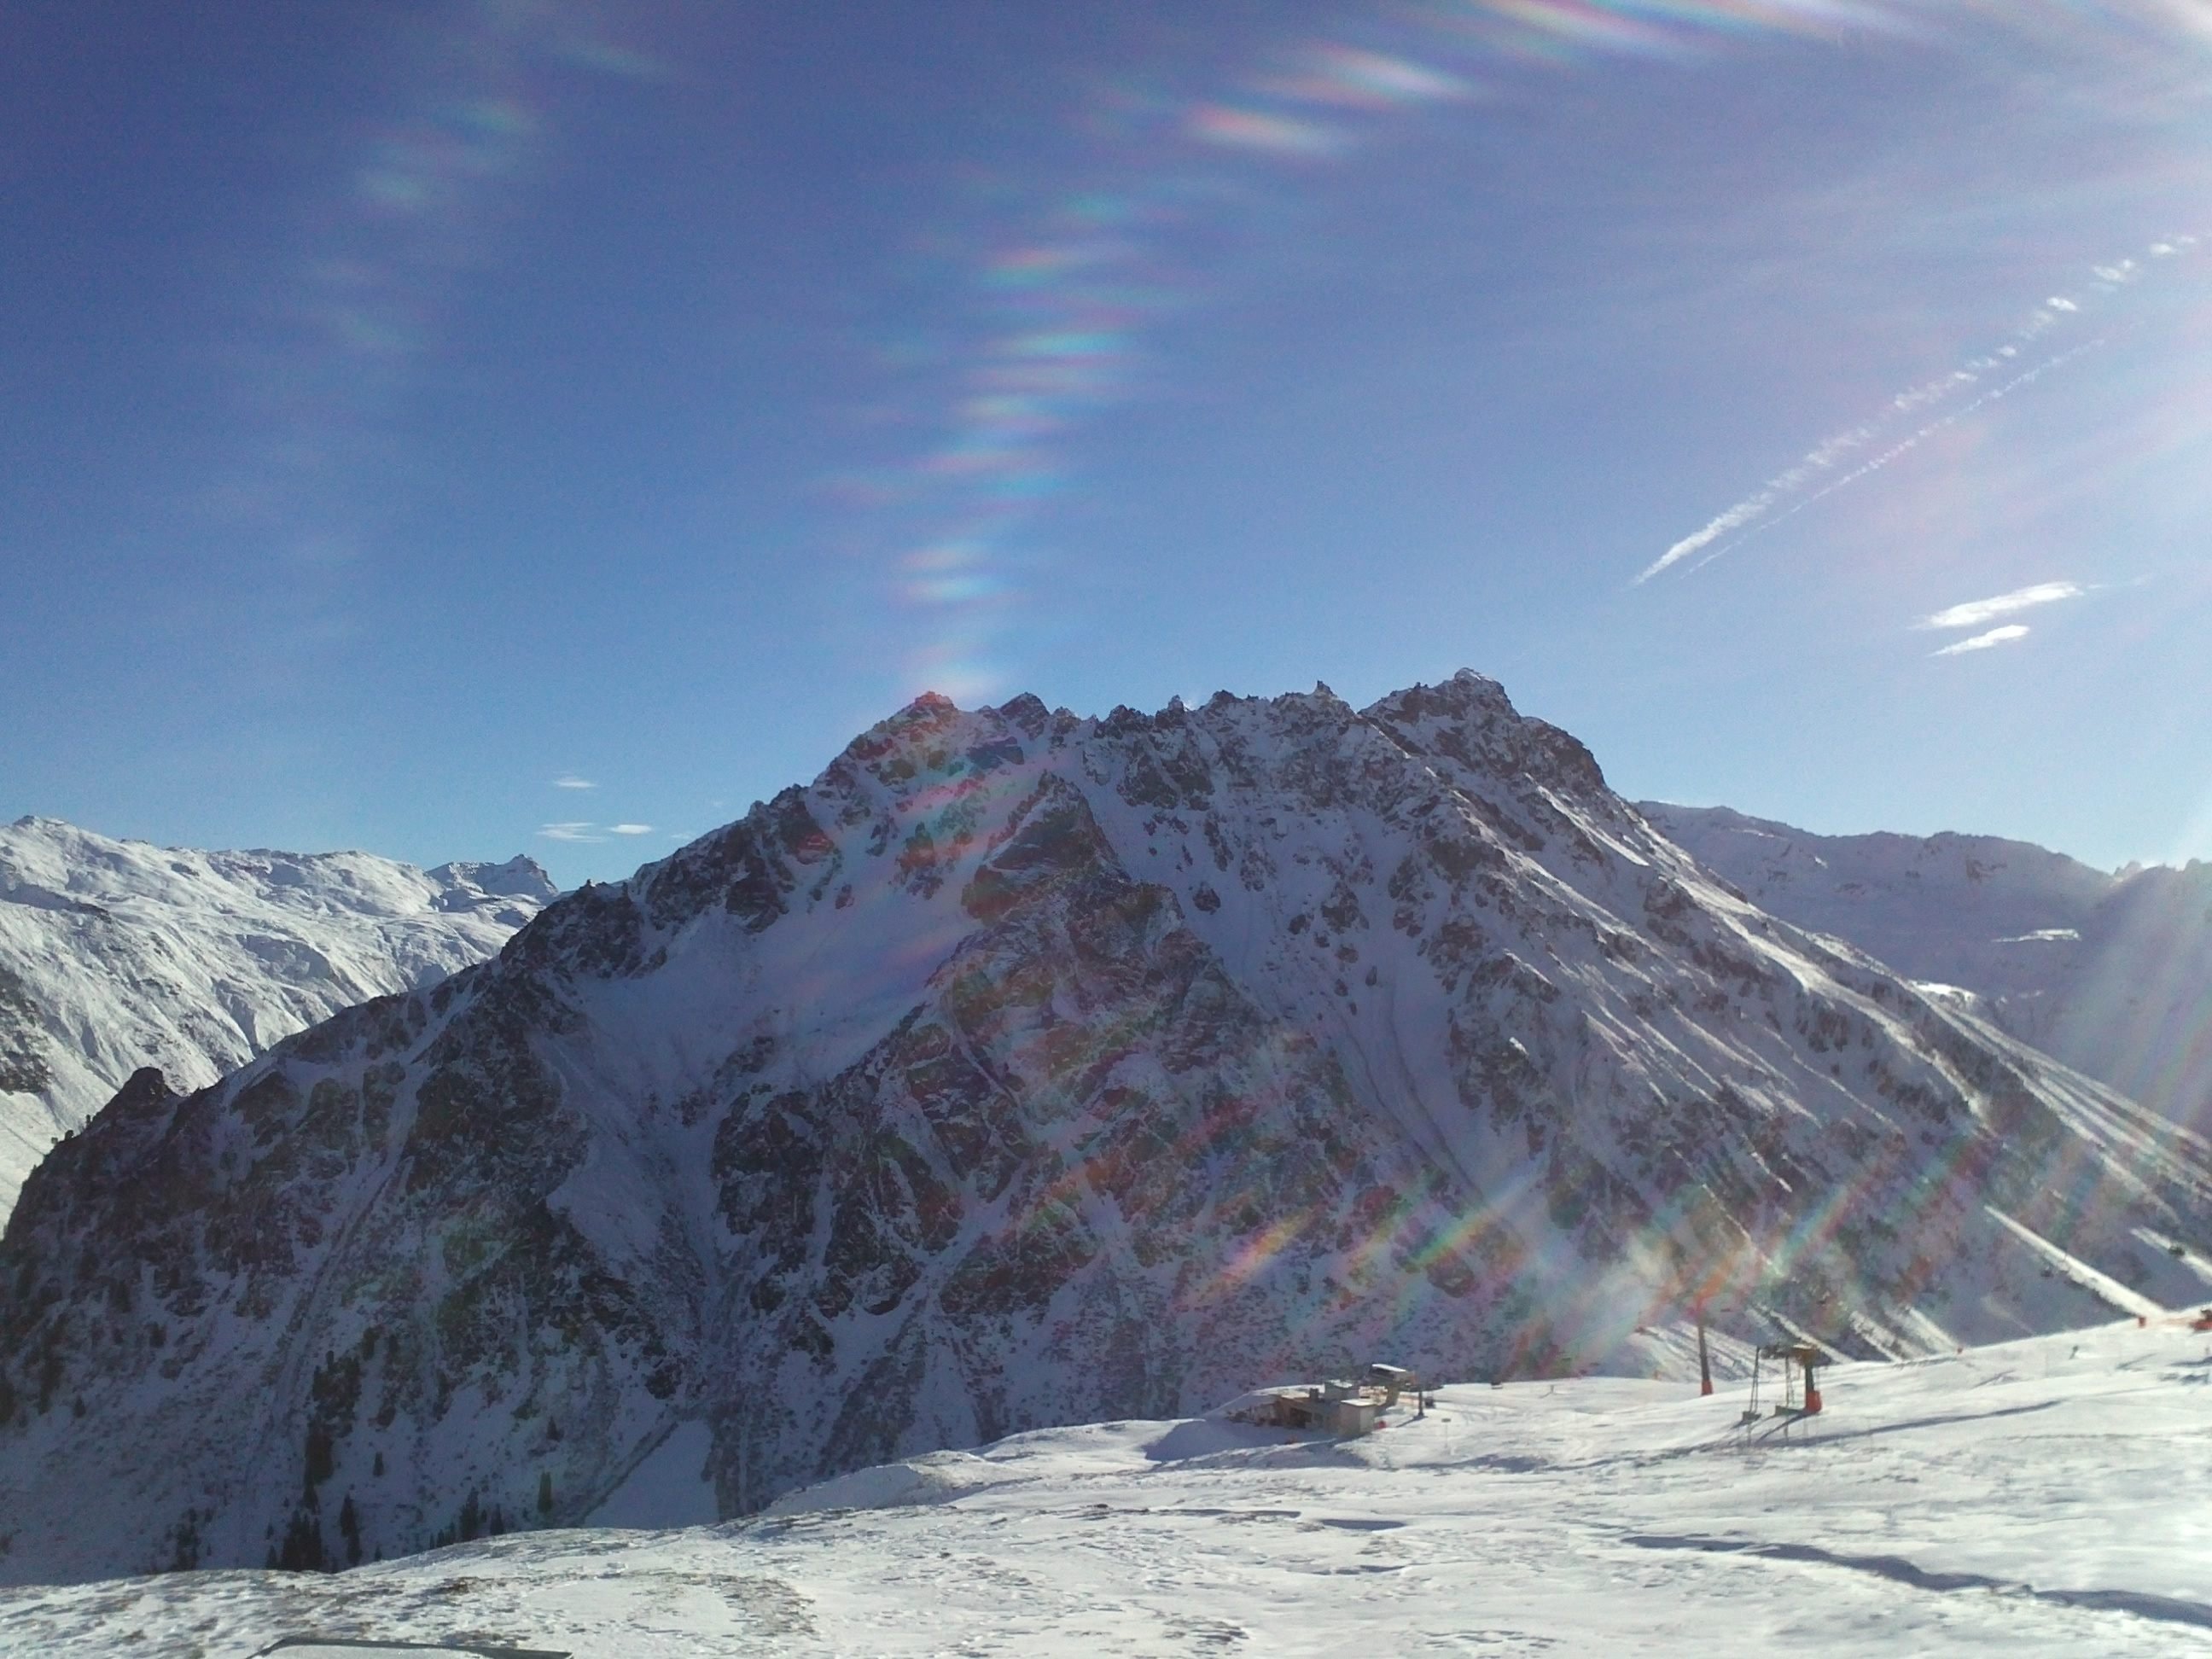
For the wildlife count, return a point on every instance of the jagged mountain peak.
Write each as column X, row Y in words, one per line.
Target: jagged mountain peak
column 1025, row 1068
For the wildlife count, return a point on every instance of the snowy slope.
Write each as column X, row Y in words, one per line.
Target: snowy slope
column 1022, row 1070
column 2111, row 974
column 118, row 954
column 2043, row 1496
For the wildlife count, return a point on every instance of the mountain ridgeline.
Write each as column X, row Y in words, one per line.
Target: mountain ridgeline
column 2111, row 974
column 1030, row 1069
column 119, row 954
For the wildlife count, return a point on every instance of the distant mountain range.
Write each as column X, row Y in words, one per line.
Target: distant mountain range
column 118, row 954
column 1027, row 1069
column 2111, row 974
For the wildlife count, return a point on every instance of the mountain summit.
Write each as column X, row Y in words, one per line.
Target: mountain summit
column 1030, row 1069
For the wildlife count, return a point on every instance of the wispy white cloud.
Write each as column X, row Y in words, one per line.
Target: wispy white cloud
column 629, row 828
column 1995, row 636
column 570, row 780
column 571, row 832
column 1976, row 613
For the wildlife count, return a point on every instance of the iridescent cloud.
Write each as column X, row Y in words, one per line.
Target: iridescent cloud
column 348, row 321
column 1258, row 129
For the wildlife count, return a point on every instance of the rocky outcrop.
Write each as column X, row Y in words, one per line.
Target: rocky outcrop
column 117, row 954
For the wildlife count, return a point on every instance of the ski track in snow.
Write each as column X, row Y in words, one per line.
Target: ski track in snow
column 2043, row 1496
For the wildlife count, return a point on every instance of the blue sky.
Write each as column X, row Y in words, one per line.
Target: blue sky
column 418, row 408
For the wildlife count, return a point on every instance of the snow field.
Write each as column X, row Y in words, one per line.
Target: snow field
column 2043, row 1496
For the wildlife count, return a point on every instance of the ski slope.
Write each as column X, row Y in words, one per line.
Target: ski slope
column 2046, row 1495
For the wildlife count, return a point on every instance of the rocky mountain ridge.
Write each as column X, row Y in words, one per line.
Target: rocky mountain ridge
column 2111, row 973
column 1030, row 1069
column 119, row 954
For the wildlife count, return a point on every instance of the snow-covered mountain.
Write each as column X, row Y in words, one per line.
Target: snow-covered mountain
column 118, row 954
column 2043, row 1496
column 2111, row 974
column 1028, row 1069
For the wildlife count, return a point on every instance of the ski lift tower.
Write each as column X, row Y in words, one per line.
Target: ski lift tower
column 1798, row 1384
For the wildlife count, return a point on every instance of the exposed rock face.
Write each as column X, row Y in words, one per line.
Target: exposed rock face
column 1025, row 1069
column 2111, row 974
column 116, row 954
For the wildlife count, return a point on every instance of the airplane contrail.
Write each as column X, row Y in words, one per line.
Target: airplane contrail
column 1756, row 512
column 1902, row 446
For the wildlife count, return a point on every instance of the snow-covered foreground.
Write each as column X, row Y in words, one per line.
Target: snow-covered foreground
column 2046, row 1496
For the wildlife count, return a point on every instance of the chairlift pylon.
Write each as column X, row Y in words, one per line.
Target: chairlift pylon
column 1751, row 1413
